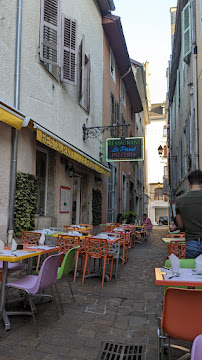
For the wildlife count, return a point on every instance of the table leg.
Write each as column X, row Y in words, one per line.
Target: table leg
column 3, row 313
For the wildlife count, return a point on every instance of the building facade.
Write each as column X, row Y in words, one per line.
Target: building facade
column 49, row 66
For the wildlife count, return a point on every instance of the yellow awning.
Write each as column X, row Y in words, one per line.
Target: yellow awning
column 11, row 116
column 71, row 153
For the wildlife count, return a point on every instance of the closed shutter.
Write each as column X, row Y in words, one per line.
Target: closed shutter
column 82, row 67
column 50, row 31
column 69, row 50
column 186, row 31
column 88, row 84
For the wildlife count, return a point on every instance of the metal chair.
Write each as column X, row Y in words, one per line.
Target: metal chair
column 32, row 284
column 181, row 318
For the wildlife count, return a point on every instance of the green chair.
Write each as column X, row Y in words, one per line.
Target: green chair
column 67, row 266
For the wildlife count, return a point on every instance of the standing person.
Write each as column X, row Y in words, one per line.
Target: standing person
column 147, row 221
column 189, row 214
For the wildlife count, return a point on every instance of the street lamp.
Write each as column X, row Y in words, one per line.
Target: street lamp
column 160, row 150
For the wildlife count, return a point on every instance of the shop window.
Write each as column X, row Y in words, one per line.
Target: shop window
column 41, row 173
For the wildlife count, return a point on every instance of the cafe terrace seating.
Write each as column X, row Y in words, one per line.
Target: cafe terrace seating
column 181, row 317
column 96, row 249
column 32, row 284
column 180, row 235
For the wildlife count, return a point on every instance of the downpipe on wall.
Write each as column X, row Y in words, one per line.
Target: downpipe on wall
column 14, row 140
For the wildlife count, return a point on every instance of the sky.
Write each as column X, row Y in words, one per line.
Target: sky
column 147, row 31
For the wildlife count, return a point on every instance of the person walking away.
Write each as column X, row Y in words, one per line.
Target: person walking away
column 189, row 214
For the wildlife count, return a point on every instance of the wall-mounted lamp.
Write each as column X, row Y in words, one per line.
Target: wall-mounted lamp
column 70, row 171
column 98, row 179
column 160, row 150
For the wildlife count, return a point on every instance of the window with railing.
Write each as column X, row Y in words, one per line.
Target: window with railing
column 158, row 194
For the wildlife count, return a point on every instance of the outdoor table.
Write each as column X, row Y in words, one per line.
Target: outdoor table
column 187, row 277
column 11, row 256
column 168, row 240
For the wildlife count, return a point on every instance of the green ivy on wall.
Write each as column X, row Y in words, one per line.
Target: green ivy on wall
column 97, row 207
column 25, row 202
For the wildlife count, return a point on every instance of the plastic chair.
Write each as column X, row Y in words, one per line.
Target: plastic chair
column 178, row 248
column 31, row 284
column 67, row 242
column 113, row 251
column 97, row 249
column 173, row 236
column 89, row 231
column 31, row 238
column 67, row 266
column 124, row 242
column 79, row 253
column 196, row 352
column 181, row 317
column 108, row 226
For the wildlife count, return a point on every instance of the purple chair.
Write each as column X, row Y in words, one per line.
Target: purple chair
column 32, row 284
column 196, row 352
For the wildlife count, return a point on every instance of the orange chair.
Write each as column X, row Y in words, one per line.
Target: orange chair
column 67, row 227
column 89, row 228
column 181, row 318
column 108, row 226
column 178, row 248
column 31, row 238
column 96, row 249
column 81, row 253
column 180, row 235
column 67, row 242
column 143, row 233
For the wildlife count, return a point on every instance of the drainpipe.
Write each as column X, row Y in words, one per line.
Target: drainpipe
column 120, row 117
column 15, row 131
column 196, row 109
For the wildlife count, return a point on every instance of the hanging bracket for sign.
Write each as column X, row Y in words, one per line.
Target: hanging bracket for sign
column 125, row 149
column 95, row 131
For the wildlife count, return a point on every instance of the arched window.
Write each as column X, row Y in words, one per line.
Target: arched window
column 158, row 194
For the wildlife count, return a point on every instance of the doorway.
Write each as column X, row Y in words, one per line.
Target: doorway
column 76, row 200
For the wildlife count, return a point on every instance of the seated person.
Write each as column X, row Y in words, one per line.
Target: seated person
column 119, row 219
column 147, row 221
column 129, row 220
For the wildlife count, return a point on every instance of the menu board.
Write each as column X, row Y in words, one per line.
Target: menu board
column 125, row 149
column 64, row 199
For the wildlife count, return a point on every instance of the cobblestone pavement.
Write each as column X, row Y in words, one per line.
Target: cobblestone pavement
column 123, row 311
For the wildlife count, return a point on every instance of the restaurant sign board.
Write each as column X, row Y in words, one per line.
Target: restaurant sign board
column 125, row 149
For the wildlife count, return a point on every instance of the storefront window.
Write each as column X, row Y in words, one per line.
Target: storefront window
column 41, row 173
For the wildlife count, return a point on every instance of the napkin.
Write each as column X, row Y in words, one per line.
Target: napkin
column 1, row 246
column 174, row 263
column 14, row 245
column 42, row 239
column 198, row 264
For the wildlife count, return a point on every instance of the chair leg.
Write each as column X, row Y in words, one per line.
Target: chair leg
column 59, row 298
column 104, row 267
column 127, row 253
column 76, row 265
column 38, row 262
column 33, row 316
column 117, row 264
column 71, row 290
column 123, row 255
column 55, row 302
column 112, row 260
column 89, row 264
column 84, row 268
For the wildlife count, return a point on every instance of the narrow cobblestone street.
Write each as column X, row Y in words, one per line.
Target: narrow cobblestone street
column 123, row 311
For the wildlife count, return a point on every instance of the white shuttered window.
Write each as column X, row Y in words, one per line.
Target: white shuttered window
column 69, row 50
column 50, row 31
column 186, row 31
column 84, row 77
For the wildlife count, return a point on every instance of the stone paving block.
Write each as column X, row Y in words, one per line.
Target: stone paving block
column 84, row 354
column 53, row 349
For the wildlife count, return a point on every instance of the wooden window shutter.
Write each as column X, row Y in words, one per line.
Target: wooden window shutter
column 50, row 31
column 88, row 84
column 69, row 50
column 186, row 31
column 82, row 68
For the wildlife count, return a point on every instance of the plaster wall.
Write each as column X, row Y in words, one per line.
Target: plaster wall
column 154, row 163
column 52, row 104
